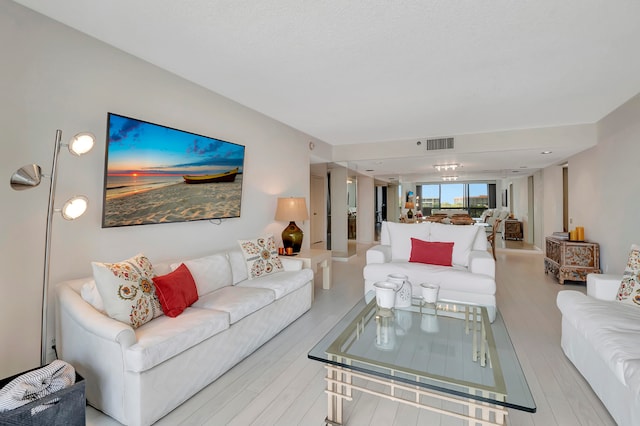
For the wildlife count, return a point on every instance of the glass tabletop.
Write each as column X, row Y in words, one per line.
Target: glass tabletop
column 448, row 347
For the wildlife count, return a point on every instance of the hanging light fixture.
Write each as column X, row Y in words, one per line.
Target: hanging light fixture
column 30, row 176
column 445, row 167
column 449, row 178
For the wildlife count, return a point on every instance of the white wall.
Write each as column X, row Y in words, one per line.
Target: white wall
column 520, row 207
column 366, row 210
column 538, row 210
column 552, row 205
column 53, row 77
column 338, row 184
column 604, row 191
column 321, row 196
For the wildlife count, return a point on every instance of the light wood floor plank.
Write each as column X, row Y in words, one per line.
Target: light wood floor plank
column 279, row 385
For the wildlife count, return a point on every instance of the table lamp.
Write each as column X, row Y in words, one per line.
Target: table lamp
column 291, row 209
column 409, row 205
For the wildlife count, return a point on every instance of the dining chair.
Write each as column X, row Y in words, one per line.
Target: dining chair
column 492, row 237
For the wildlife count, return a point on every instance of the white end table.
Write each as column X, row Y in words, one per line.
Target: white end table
column 312, row 258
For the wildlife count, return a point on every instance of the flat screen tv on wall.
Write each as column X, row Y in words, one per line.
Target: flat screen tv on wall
column 157, row 174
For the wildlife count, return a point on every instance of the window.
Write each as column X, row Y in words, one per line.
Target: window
column 452, row 195
column 429, row 198
column 474, row 197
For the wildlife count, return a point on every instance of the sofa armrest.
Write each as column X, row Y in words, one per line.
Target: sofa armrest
column 291, row 264
column 482, row 262
column 603, row 286
column 379, row 254
column 91, row 321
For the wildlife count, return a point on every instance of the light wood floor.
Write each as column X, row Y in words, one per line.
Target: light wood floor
column 278, row 385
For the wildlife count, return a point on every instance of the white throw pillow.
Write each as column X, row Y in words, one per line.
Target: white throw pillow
column 461, row 235
column 261, row 256
column 629, row 290
column 238, row 266
column 210, row 272
column 400, row 235
column 91, row 295
column 127, row 290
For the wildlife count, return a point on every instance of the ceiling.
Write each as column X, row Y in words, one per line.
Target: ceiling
column 370, row 71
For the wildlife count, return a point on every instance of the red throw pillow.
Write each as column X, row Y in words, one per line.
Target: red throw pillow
column 433, row 253
column 176, row 291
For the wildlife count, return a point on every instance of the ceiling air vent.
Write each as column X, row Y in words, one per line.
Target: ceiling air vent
column 442, row 143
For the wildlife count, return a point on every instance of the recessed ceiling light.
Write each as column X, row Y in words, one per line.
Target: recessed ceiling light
column 546, row 152
column 368, row 170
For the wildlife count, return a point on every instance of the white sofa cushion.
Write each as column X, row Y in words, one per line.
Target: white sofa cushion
column 209, row 272
column 612, row 328
column 450, row 278
column 238, row 266
column 281, row 283
column 237, row 301
column 480, row 242
column 165, row 337
column 463, row 237
column 400, row 235
column 603, row 286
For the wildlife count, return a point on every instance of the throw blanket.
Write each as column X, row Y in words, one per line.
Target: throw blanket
column 36, row 384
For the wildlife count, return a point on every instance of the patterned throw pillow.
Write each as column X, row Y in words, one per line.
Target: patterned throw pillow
column 127, row 290
column 261, row 256
column 629, row 290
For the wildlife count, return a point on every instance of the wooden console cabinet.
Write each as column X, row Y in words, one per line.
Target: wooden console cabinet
column 571, row 260
column 512, row 229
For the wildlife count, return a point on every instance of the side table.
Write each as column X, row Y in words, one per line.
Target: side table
column 312, row 258
column 571, row 260
column 512, row 229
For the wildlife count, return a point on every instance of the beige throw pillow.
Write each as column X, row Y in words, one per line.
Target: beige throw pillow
column 127, row 290
column 261, row 256
column 629, row 290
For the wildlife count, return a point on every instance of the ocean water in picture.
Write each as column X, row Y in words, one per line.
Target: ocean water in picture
column 119, row 186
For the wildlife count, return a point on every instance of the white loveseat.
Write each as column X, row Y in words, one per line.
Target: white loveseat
column 470, row 279
column 139, row 375
column 601, row 337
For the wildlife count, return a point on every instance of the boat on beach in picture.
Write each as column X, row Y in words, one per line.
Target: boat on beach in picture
column 228, row 176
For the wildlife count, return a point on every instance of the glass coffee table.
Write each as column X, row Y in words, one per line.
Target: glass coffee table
column 423, row 355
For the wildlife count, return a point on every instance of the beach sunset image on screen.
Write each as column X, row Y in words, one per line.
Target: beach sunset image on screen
column 158, row 174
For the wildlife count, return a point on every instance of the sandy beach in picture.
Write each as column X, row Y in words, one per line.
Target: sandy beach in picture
column 174, row 203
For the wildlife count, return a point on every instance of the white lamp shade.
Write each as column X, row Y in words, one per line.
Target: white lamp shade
column 82, row 143
column 75, row 207
column 291, row 209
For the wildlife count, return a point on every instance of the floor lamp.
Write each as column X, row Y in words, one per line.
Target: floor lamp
column 30, row 176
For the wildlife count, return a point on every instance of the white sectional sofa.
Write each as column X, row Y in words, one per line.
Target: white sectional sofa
column 470, row 279
column 138, row 375
column 601, row 337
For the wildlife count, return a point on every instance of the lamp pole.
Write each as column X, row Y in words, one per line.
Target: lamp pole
column 47, row 250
